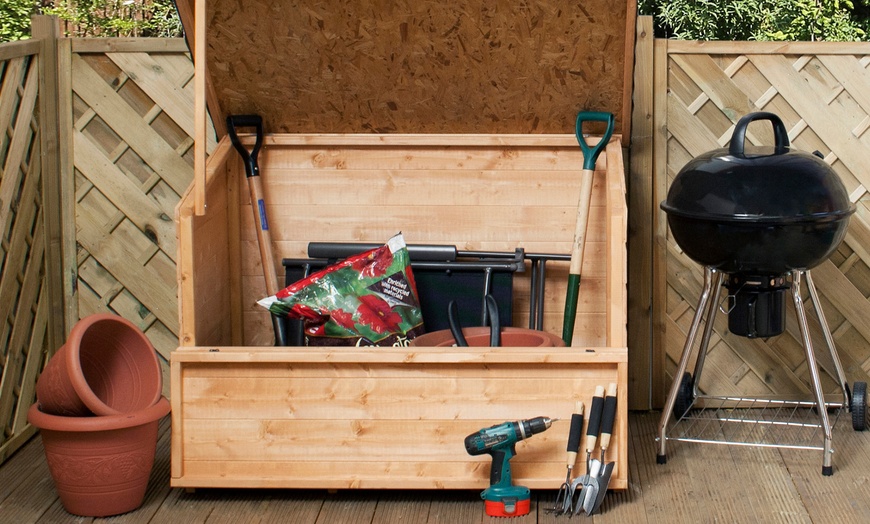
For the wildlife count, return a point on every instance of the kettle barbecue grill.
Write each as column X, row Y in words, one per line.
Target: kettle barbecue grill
column 757, row 221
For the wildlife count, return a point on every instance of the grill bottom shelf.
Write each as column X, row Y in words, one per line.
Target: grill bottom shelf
column 757, row 422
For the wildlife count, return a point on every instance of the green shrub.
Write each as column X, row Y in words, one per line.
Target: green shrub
column 110, row 18
column 124, row 18
column 15, row 19
column 781, row 20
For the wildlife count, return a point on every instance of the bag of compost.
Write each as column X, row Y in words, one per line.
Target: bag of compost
column 369, row 299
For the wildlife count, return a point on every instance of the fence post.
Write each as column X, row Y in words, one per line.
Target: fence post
column 640, row 226
column 47, row 30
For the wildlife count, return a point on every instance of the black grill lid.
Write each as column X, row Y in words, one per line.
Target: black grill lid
column 764, row 211
column 767, row 184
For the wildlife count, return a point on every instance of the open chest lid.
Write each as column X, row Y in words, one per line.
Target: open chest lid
column 467, row 66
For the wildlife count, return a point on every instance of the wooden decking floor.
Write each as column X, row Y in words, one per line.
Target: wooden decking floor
column 700, row 483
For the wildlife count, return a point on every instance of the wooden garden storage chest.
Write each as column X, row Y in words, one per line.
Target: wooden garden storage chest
column 248, row 414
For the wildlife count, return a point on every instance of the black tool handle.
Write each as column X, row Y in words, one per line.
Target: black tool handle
column 455, row 327
column 575, row 434
column 252, row 167
column 418, row 252
column 594, row 419
column 608, row 416
column 494, row 323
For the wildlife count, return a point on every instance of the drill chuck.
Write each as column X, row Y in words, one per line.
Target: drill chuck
column 533, row 426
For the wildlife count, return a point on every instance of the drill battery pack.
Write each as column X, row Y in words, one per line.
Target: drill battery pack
column 507, row 507
column 506, row 501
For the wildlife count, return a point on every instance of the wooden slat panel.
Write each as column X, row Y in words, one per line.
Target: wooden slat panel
column 17, row 355
column 124, row 194
column 349, row 398
column 16, row 157
column 468, row 226
column 129, row 126
column 21, row 245
column 14, row 71
column 175, row 100
column 154, row 289
column 813, row 106
column 506, row 193
column 131, row 145
column 33, row 364
column 384, row 188
column 366, row 440
column 438, row 475
column 208, row 262
column 24, row 299
column 392, row 418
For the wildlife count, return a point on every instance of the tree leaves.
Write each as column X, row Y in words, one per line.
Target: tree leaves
column 85, row 18
column 782, row 20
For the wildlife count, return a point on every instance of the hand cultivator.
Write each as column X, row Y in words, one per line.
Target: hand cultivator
column 563, row 498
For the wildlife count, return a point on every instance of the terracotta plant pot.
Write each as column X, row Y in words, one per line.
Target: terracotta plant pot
column 479, row 337
column 100, row 465
column 106, row 367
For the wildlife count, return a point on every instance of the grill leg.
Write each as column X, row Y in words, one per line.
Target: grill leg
column 684, row 361
column 712, row 307
column 829, row 340
column 827, row 468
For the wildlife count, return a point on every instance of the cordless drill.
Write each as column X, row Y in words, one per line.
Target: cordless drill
column 502, row 498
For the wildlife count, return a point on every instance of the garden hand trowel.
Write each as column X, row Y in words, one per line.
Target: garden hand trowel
column 591, row 502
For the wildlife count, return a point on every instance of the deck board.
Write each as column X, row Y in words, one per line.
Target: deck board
column 700, row 483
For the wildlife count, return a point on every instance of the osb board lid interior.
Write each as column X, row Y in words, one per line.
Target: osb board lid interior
column 404, row 66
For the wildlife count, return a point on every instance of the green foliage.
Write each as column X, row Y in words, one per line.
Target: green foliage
column 15, row 19
column 781, row 20
column 123, row 18
column 110, row 18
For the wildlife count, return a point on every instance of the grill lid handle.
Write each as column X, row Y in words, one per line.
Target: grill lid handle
column 739, row 136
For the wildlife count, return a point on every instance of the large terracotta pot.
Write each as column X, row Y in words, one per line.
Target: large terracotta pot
column 106, row 367
column 480, row 337
column 100, row 465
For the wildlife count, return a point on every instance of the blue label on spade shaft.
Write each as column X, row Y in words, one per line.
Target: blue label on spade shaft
column 264, row 225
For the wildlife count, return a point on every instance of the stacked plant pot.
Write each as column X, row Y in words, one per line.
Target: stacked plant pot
column 99, row 402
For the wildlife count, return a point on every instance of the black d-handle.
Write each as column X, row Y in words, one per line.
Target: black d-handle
column 455, row 326
column 252, row 168
column 494, row 322
column 780, row 133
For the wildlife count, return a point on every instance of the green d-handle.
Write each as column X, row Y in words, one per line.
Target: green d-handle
column 590, row 154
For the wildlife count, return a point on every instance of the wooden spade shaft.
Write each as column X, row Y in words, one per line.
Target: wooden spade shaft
column 578, row 246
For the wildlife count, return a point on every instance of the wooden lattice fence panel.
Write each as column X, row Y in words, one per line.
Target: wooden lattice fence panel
column 132, row 114
column 822, row 94
column 23, row 298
